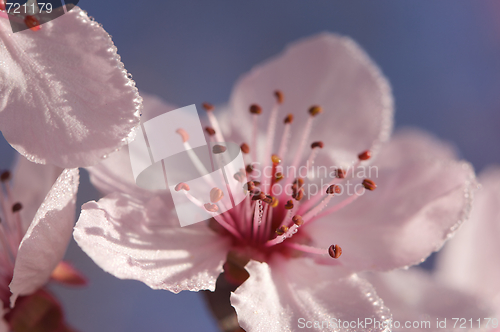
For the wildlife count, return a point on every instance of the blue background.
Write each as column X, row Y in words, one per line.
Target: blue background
column 442, row 59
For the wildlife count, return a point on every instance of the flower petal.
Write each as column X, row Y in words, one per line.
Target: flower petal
column 115, row 172
column 143, row 241
column 45, row 242
column 66, row 97
column 418, row 301
column 471, row 260
column 326, row 70
column 31, row 183
column 420, row 200
column 285, row 294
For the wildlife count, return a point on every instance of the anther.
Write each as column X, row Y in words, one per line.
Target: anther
column 182, row 186
column 240, row 176
column 365, row 155
column 219, row 149
column 297, row 220
column 282, row 230
column 249, row 168
column 249, row 186
column 289, row 205
column 208, row 107
column 299, row 195
column 333, row 189
column 255, row 109
column 184, row 134
column 275, row 159
column 279, row 96
column 216, row 195
column 369, row 184
column 260, row 196
column 299, row 182
column 211, row 207
column 278, row 177
column 32, row 23
column 17, row 207
column 245, row 148
column 340, row 173
column 274, row 202
column 5, row 176
column 210, row 131
column 335, row 251
column 288, row 119
column 315, row 110
column 317, row 145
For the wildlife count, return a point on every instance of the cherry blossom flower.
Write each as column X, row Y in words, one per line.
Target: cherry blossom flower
column 34, row 240
column 65, row 98
column 300, row 250
column 471, row 260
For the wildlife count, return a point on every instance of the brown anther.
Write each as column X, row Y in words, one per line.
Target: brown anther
column 299, row 195
column 210, row 131
column 268, row 199
column 249, row 186
column 289, row 205
column 216, row 195
column 240, row 176
column 257, row 183
column 341, row 173
column 260, row 196
column 208, row 107
column 245, row 148
column 299, row 182
column 335, row 251
column 32, row 23
column 184, row 134
column 5, row 176
column 282, row 230
column 288, row 119
column 211, row 207
column 249, row 168
column 369, row 184
column 255, row 109
column 182, row 186
column 315, row 110
column 297, row 220
column 279, row 96
column 219, row 149
column 275, row 159
column 365, row 155
column 317, row 145
column 333, row 189
column 278, row 177
column 17, row 207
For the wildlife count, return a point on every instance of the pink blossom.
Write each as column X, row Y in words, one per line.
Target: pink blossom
column 342, row 104
column 65, row 97
column 34, row 240
column 471, row 260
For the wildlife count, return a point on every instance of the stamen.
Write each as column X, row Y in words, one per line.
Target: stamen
column 216, row 195
column 335, row 251
column 282, row 230
column 240, row 176
column 369, row 184
column 182, row 186
column 17, row 207
column 271, row 129
column 213, row 121
column 339, row 206
column 286, row 135
column 211, row 207
column 305, row 248
column 289, row 205
column 219, row 149
column 298, row 195
column 340, row 173
column 210, row 131
column 365, row 155
column 279, row 96
column 32, row 23
column 255, row 110
column 5, row 176
column 249, row 168
column 330, row 191
column 315, row 147
column 245, row 148
column 297, row 220
column 313, row 111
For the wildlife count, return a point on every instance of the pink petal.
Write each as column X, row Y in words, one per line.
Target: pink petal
column 420, row 200
column 115, row 172
column 45, row 242
column 471, row 260
column 327, row 70
column 66, row 98
column 415, row 296
column 31, row 183
column 289, row 292
column 143, row 241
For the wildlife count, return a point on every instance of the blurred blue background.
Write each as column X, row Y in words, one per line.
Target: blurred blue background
column 442, row 59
